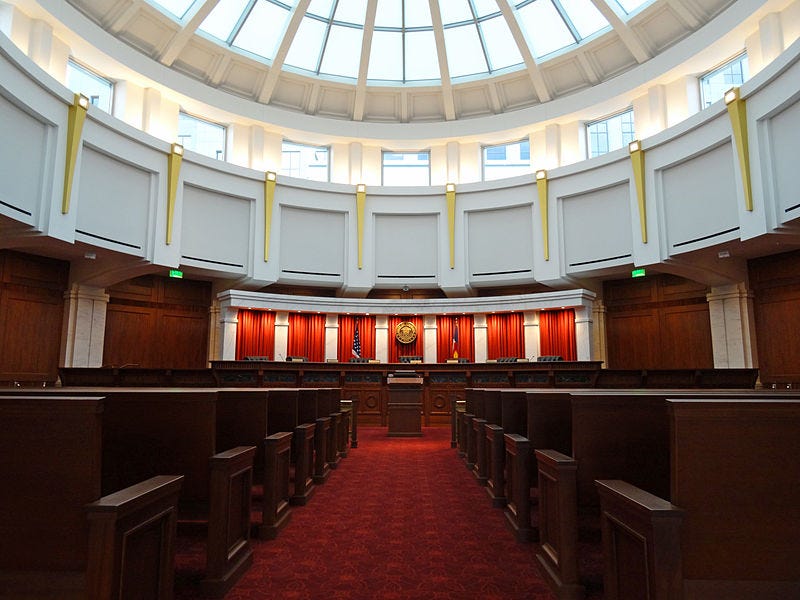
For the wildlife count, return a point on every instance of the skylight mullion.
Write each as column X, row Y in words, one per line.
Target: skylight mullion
column 567, row 20
column 480, row 36
column 327, row 35
column 240, row 23
column 403, row 36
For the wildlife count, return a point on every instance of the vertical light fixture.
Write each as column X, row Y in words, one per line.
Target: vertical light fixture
column 450, row 195
column 637, row 162
column 269, row 196
column 173, row 173
column 361, row 202
column 737, row 111
column 541, row 188
column 75, row 119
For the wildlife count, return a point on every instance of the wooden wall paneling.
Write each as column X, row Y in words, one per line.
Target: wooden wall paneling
column 775, row 281
column 685, row 337
column 184, row 338
column 129, row 337
column 633, row 339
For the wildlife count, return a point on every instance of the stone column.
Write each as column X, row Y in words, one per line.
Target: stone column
column 281, row 335
column 730, row 310
column 583, row 332
column 84, row 326
column 228, row 324
column 214, row 331
column 481, row 341
column 429, row 334
column 332, row 337
column 599, row 338
column 531, row 329
column 382, row 338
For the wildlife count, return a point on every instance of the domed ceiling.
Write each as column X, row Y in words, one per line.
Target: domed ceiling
column 401, row 60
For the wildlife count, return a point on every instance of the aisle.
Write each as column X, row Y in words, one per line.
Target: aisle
column 401, row 518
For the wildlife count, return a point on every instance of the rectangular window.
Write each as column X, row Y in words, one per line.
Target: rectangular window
column 201, row 136
column 714, row 84
column 305, row 162
column 506, row 160
column 406, row 168
column 610, row 133
column 98, row 89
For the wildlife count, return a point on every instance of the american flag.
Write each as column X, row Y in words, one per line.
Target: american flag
column 356, row 343
column 455, row 340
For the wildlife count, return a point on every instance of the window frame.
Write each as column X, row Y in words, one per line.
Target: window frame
column 94, row 74
column 605, row 120
column 505, row 146
column 312, row 147
column 385, row 151
column 221, row 126
column 740, row 58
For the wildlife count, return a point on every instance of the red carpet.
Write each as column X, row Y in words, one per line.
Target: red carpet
column 400, row 518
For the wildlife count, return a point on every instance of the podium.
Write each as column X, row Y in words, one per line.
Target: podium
column 404, row 408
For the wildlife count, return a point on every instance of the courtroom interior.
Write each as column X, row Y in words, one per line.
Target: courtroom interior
column 556, row 242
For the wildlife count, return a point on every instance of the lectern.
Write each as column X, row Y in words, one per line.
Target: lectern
column 404, row 408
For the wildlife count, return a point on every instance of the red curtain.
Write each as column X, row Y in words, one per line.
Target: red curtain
column 255, row 334
column 307, row 336
column 557, row 334
column 396, row 349
column 448, row 343
column 366, row 335
column 505, row 335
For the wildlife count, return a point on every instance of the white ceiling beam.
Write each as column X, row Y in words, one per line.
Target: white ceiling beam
column 360, row 102
column 119, row 22
column 614, row 15
column 195, row 17
column 534, row 72
column 265, row 94
column 444, row 71
column 685, row 12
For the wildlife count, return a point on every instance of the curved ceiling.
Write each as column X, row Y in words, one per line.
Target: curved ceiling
column 399, row 61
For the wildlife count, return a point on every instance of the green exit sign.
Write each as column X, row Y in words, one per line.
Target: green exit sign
column 175, row 273
column 638, row 273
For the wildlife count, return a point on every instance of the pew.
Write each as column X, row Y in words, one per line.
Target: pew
column 60, row 538
column 615, row 435
column 734, row 467
column 152, row 430
column 243, row 420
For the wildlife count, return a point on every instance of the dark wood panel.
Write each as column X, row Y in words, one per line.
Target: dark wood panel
column 129, row 336
column 188, row 339
column 685, row 333
column 633, row 340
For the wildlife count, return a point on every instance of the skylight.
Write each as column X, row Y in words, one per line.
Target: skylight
column 328, row 38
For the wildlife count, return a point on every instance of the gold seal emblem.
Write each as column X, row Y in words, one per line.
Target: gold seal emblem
column 405, row 332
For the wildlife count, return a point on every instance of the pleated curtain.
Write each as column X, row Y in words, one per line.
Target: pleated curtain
column 557, row 334
column 366, row 335
column 255, row 334
column 445, row 345
column 505, row 335
column 396, row 349
column 307, row 336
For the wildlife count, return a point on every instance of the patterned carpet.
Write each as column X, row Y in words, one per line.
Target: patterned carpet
column 401, row 518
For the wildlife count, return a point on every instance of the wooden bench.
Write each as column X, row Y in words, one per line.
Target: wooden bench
column 734, row 467
column 60, row 537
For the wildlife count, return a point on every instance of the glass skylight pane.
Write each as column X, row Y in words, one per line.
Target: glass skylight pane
column 464, row 51
column 421, row 59
column 386, row 56
column 546, row 29
column 176, row 7
column 352, row 11
column 455, row 11
column 223, row 18
column 342, row 52
column 418, row 13
column 262, row 31
column 500, row 44
column 390, row 13
column 485, row 7
column 307, row 44
column 584, row 16
column 320, row 8
column 631, row 5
